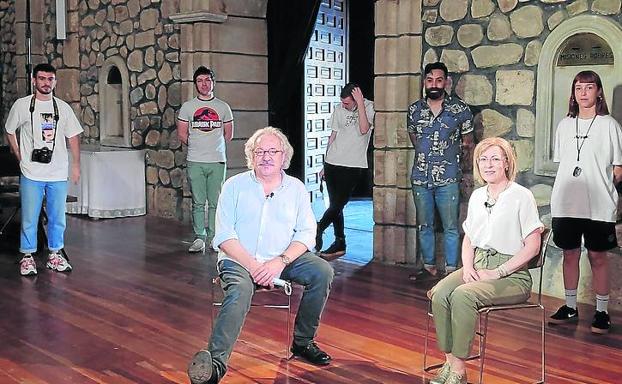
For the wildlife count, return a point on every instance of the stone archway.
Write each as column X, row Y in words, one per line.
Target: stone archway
column 603, row 27
column 114, row 121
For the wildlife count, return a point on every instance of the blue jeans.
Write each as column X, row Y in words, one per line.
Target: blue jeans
column 309, row 270
column 447, row 200
column 31, row 196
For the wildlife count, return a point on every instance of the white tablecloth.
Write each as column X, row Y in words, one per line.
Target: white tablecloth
column 112, row 183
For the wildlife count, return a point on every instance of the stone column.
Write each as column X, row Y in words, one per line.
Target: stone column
column 397, row 84
column 232, row 39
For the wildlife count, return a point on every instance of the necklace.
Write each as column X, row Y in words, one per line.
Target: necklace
column 577, row 170
column 491, row 201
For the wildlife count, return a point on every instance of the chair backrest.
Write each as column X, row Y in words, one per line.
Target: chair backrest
column 538, row 261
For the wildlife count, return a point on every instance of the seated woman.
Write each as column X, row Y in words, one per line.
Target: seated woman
column 502, row 233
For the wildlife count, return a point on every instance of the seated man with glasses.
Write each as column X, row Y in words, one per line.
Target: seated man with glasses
column 265, row 229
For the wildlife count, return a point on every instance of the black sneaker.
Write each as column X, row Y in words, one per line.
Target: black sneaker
column 336, row 249
column 564, row 314
column 601, row 323
column 311, row 353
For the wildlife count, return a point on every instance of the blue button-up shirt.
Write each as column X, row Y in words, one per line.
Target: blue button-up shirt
column 438, row 140
column 264, row 225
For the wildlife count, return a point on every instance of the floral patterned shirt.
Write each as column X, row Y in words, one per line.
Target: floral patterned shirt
column 437, row 148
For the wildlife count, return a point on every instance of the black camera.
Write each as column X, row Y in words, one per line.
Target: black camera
column 41, row 155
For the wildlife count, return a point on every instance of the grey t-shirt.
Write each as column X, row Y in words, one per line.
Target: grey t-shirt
column 206, row 118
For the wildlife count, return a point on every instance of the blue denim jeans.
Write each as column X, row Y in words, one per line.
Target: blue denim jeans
column 446, row 199
column 31, row 196
column 309, row 270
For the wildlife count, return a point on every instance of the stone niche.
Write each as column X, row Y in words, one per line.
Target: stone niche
column 114, row 104
column 555, row 75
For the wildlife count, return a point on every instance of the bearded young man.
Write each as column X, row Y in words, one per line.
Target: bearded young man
column 440, row 128
column 46, row 125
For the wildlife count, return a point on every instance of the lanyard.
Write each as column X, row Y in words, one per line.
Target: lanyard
column 581, row 137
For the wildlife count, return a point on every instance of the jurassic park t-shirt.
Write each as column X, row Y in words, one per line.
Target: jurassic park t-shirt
column 206, row 118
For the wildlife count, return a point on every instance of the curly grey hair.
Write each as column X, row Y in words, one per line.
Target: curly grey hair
column 251, row 145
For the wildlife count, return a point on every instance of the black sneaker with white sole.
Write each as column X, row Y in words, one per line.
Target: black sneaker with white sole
column 601, row 323
column 564, row 314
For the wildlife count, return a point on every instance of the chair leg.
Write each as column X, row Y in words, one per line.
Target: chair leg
column 482, row 346
column 543, row 332
column 427, row 336
column 289, row 326
column 429, row 316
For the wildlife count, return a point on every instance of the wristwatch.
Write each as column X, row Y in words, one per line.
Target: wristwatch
column 285, row 259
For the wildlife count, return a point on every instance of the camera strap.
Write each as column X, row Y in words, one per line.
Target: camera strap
column 56, row 118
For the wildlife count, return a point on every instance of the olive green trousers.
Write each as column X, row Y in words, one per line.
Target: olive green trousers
column 455, row 303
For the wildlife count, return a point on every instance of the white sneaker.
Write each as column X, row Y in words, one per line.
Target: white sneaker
column 27, row 266
column 197, row 245
column 57, row 262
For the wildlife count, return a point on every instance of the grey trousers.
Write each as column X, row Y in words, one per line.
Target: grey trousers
column 455, row 303
column 309, row 270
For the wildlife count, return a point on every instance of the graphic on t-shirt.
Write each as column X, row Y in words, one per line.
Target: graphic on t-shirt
column 206, row 119
column 47, row 127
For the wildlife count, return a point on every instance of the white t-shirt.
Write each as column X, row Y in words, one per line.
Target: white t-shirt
column 44, row 130
column 349, row 149
column 206, row 118
column 504, row 229
column 591, row 195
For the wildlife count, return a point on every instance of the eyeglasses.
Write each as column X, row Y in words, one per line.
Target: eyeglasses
column 271, row 152
column 493, row 160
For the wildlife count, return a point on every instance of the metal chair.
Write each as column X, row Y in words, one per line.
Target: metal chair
column 484, row 312
column 286, row 290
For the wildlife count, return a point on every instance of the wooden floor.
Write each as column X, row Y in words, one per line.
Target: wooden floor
column 137, row 306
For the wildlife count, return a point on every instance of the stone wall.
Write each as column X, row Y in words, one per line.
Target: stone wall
column 7, row 61
column 492, row 50
column 161, row 42
column 397, row 83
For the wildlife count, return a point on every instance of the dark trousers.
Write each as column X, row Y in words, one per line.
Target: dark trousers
column 340, row 182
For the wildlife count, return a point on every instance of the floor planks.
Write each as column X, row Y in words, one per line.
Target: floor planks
column 137, row 306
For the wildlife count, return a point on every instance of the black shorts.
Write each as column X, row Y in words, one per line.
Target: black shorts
column 599, row 236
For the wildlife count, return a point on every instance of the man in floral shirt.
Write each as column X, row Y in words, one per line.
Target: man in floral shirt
column 440, row 127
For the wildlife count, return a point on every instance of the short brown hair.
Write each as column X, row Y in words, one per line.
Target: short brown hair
column 507, row 150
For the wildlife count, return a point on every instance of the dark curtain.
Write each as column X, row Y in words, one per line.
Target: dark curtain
column 290, row 25
column 361, row 70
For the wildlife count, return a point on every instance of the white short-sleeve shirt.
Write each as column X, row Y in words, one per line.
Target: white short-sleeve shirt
column 43, row 132
column 505, row 226
column 591, row 194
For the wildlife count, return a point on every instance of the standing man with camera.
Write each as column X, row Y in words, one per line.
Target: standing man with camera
column 205, row 124
column 44, row 122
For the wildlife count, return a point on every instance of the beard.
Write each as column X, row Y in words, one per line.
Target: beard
column 44, row 90
column 434, row 93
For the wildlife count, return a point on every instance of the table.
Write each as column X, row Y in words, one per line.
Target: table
column 112, row 183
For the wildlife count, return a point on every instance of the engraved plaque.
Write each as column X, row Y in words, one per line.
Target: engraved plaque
column 585, row 49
